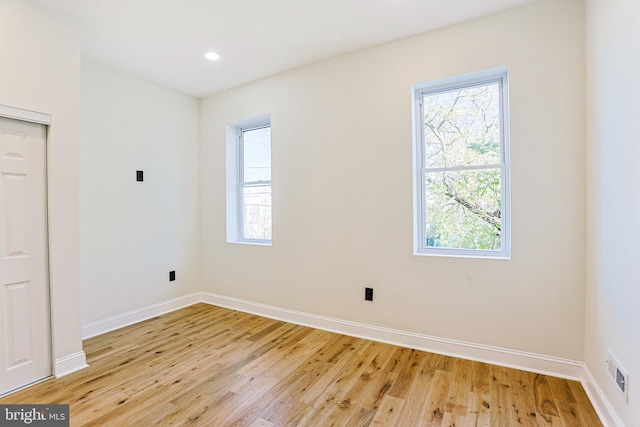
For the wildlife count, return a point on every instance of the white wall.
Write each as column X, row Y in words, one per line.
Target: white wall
column 613, row 290
column 41, row 72
column 342, row 188
column 133, row 233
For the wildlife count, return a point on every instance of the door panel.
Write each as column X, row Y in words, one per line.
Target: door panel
column 25, row 337
column 19, row 348
column 15, row 214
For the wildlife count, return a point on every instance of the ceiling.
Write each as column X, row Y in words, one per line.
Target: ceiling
column 165, row 40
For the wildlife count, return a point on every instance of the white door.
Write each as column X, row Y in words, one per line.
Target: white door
column 25, row 337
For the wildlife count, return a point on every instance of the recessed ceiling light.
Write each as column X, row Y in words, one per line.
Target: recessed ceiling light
column 212, row 56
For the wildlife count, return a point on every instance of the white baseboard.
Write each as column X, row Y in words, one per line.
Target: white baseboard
column 547, row 365
column 531, row 362
column 599, row 401
column 69, row 364
column 135, row 316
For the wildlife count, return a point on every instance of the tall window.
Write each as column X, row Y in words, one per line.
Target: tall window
column 248, row 161
column 461, row 166
column 254, row 182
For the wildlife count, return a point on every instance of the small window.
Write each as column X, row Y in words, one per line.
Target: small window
column 249, row 170
column 461, row 166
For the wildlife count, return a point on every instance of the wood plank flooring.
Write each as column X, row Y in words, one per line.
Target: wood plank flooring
column 210, row 366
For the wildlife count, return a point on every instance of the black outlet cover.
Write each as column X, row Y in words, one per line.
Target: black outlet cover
column 172, row 276
column 139, row 176
column 620, row 380
column 368, row 294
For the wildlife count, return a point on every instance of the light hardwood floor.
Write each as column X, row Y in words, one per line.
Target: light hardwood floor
column 210, row 366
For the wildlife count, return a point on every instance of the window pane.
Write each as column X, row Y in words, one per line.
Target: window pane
column 462, row 127
column 256, row 223
column 257, row 154
column 463, row 209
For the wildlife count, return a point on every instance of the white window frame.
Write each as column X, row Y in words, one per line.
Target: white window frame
column 235, row 180
column 496, row 75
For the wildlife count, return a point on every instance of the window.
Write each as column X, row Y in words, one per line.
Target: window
column 249, row 182
column 461, row 166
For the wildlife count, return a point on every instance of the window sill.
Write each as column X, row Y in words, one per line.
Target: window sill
column 455, row 254
column 249, row 243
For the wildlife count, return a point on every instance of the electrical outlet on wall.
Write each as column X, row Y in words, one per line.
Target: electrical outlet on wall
column 172, row 276
column 368, row 294
column 618, row 375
